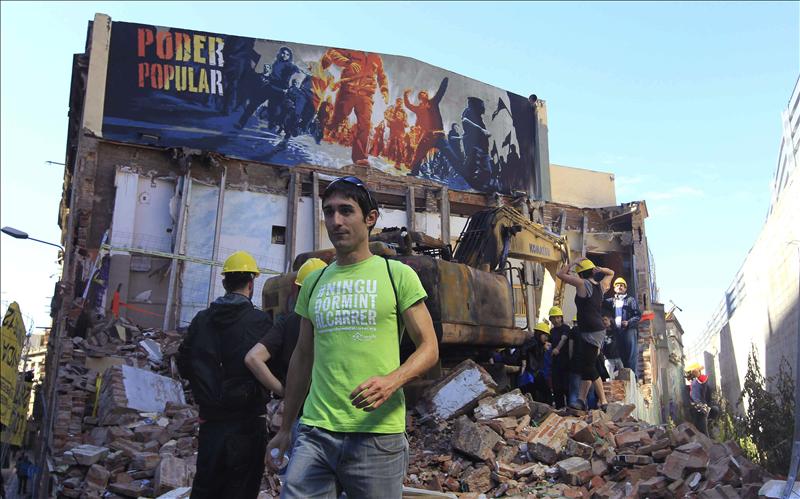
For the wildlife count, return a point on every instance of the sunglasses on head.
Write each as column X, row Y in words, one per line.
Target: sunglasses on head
column 358, row 183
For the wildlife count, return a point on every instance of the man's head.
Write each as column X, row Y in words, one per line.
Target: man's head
column 542, row 332
column 693, row 370
column 454, row 127
column 422, row 96
column 350, row 213
column 607, row 319
column 239, row 272
column 398, row 102
column 556, row 316
column 620, row 286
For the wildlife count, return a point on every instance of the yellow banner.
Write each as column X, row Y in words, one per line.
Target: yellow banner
column 15, row 431
column 12, row 337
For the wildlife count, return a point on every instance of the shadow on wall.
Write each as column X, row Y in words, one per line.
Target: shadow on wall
column 730, row 384
column 781, row 344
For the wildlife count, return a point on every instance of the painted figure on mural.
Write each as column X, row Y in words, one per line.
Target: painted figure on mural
column 377, row 143
column 323, row 119
column 454, row 140
column 362, row 74
column 478, row 166
column 397, row 120
column 238, row 72
column 321, row 80
column 429, row 119
column 272, row 89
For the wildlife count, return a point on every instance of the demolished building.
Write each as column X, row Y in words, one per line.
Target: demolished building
column 177, row 155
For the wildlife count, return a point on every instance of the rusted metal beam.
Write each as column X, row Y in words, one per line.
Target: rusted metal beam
column 467, row 334
column 291, row 218
column 410, row 209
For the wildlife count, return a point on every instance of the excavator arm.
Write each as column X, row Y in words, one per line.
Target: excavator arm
column 494, row 235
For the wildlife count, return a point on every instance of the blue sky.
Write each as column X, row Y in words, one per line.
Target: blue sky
column 681, row 101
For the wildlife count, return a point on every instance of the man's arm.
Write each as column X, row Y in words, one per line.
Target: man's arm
column 372, row 393
column 605, row 283
column 441, row 91
column 256, row 360
column 298, row 379
column 565, row 275
column 636, row 314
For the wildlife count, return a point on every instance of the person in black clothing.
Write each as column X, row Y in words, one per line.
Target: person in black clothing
column 232, row 440
column 269, row 359
column 611, row 350
column 559, row 336
column 535, row 357
column 590, row 284
column 23, row 463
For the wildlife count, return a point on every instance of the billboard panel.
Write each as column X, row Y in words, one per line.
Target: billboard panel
column 288, row 104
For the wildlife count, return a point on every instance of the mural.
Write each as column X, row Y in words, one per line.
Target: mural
column 287, row 104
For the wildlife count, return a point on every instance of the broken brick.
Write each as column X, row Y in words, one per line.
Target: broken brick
column 459, row 392
column 473, row 439
column 512, row 403
column 477, row 479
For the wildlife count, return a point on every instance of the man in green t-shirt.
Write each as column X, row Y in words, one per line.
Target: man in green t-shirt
column 352, row 431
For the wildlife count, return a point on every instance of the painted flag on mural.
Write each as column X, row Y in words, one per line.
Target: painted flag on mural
column 500, row 106
column 12, row 337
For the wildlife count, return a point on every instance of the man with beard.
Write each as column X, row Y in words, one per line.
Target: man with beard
column 429, row 119
column 362, row 74
column 273, row 90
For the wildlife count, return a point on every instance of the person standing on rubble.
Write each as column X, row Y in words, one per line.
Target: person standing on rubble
column 559, row 334
column 626, row 316
column 700, row 400
column 232, row 439
column 590, row 284
column 536, row 366
column 354, row 311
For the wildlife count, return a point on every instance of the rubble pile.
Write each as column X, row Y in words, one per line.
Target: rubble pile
column 122, row 426
column 509, row 445
column 124, row 429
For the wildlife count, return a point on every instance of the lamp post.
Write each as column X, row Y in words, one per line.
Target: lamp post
column 18, row 234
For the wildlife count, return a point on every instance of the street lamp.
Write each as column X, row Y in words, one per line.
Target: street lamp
column 18, row 234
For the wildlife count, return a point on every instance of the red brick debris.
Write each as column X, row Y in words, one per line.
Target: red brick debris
column 490, row 445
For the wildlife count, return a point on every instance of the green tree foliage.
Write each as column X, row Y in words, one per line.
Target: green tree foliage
column 766, row 430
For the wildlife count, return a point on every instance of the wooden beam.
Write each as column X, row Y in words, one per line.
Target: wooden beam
column 315, row 210
column 563, row 222
column 444, row 212
column 584, row 229
column 410, row 209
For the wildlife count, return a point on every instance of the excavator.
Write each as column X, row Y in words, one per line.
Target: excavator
column 470, row 288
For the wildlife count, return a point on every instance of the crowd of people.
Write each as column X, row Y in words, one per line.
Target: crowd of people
column 564, row 365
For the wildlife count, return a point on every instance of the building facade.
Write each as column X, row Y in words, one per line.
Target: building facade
column 760, row 309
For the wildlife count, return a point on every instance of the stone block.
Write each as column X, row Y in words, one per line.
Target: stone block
column 171, row 473
column 474, row 439
column 478, row 479
column 458, row 392
column 633, row 459
column 548, row 440
column 618, row 412
column 512, row 404
column 97, row 477
column 179, row 493
column 721, row 472
column 652, row 486
column 128, row 390
column 577, row 449
column 572, row 470
column 144, row 461
column 632, row 438
column 88, row 455
column 659, row 444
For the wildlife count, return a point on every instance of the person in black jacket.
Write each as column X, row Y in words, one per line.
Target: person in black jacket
column 625, row 317
column 233, row 439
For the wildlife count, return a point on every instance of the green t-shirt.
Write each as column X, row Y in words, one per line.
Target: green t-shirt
column 354, row 313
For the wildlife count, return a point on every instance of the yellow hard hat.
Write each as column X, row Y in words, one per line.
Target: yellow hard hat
column 693, row 367
column 241, row 261
column 542, row 327
column 584, row 265
column 575, row 318
column 620, row 280
column 555, row 312
column 307, row 268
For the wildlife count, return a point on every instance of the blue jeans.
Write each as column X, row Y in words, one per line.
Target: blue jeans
column 366, row 465
column 574, row 388
column 629, row 348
